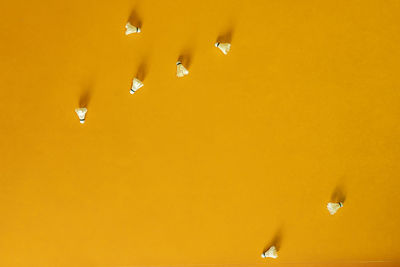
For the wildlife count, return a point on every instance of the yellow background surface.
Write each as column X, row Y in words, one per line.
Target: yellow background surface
column 210, row 168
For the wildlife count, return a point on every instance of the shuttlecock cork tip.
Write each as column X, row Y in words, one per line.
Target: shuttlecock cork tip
column 262, row 255
column 178, row 62
column 131, row 91
column 139, row 30
column 82, row 121
column 216, row 44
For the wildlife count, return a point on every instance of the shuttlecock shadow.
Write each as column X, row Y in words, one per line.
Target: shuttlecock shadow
column 339, row 194
column 226, row 36
column 134, row 18
column 275, row 241
column 142, row 70
column 186, row 58
column 85, row 96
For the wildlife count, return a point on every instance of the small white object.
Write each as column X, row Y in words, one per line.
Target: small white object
column 136, row 84
column 270, row 253
column 131, row 29
column 224, row 47
column 181, row 70
column 333, row 207
column 81, row 114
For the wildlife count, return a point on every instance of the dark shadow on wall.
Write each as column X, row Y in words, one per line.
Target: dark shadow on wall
column 186, row 57
column 276, row 240
column 142, row 70
column 226, row 35
column 86, row 95
column 339, row 194
column 134, row 17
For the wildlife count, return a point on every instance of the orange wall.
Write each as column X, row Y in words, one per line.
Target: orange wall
column 207, row 169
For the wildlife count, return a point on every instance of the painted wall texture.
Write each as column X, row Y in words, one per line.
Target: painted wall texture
column 209, row 169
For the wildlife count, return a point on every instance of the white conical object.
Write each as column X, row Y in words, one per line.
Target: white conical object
column 181, row 70
column 270, row 253
column 333, row 207
column 136, row 84
column 224, row 47
column 131, row 29
column 81, row 114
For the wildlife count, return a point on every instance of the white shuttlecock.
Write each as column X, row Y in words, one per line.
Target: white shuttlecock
column 181, row 70
column 224, row 47
column 333, row 207
column 81, row 114
column 270, row 253
column 131, row 29
column 136, row 84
